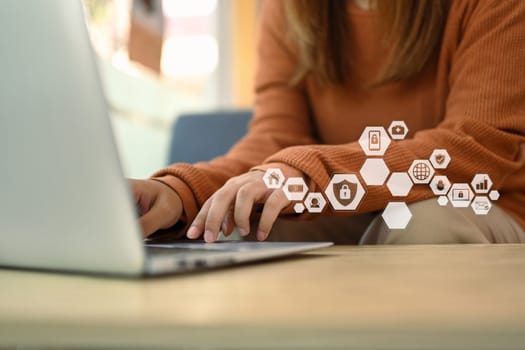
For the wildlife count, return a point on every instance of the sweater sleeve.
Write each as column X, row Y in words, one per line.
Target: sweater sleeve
column 483, row 127
column 281, row 119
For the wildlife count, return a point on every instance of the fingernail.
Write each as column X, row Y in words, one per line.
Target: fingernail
column 261, row 235
column 242, row 231
column 193, row 232
column 209, row 236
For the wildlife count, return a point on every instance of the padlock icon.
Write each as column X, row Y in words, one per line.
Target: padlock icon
column 374, row 141
column 344, row 192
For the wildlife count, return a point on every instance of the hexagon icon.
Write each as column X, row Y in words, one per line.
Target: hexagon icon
column 442, row 201
column 374, row 171
column 273, row 178
column 344, row 191
column 397, row 215
column 398, row 130
column 494, row 195
column 399, row 184
column 440, row 159
column 421, row 171
column 460, row 195
column 315, row 202
column 374, row 141
column 440, row 185
column 481, row 205
column 481, row 183
column 298, row 208
column 295, row 188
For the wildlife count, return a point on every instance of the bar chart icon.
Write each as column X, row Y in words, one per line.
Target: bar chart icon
column 482, row 186
column 481, row 183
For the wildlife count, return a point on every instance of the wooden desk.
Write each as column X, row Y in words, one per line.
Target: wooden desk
column 405, row 297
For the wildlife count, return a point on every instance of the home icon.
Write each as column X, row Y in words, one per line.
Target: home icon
column 273, row 178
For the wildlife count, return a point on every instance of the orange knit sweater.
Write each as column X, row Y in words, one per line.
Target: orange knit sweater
column 470, row 100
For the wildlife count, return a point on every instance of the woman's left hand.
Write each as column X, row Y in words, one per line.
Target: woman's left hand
column 231, row 206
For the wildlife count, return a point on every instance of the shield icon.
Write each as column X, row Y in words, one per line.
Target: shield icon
column 345, row 192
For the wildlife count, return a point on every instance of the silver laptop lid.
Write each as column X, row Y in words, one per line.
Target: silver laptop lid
column 63, row 201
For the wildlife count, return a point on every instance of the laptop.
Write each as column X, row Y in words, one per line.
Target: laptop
column 65, row 204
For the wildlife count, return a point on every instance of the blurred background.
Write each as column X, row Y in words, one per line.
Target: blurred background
column 161, row 58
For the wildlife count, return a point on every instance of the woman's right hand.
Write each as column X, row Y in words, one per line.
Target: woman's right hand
column 160, row 206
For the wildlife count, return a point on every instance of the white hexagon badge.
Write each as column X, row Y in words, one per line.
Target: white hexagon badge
column 374, row 141
column 481, row 205
column 421, row 171
column 397, row 215
column 344, row 191
column 399, row 184
column 298, row 208
column 494, row 195
column 315, row 202
column 460, row 195
column 273, row 178
column 440, row 185
column 442, row 201
column 398, row 130
column 481, row 183
column 440, row 159
column 295, row 188
column 374, row 171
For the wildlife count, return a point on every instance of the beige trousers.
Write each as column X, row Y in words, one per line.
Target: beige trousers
column 430, row 224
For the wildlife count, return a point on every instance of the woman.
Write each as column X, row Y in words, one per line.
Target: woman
column 452, row 70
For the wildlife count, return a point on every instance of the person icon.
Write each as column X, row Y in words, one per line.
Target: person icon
column 314, row 203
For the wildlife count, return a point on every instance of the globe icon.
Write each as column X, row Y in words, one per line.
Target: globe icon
column 421, row 171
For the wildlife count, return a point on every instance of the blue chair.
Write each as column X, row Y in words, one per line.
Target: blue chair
column 204, row 136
